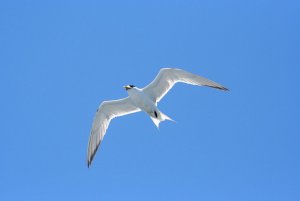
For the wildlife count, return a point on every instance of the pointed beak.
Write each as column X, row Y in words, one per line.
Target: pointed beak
column 126, row 87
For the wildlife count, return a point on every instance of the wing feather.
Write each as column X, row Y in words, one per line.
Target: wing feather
column 167, row 77
column 105, row 113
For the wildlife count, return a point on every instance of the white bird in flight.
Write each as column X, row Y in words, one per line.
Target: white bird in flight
column 144, row 99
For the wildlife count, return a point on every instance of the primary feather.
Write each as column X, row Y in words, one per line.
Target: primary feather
column 105, row 113
column 167, row 77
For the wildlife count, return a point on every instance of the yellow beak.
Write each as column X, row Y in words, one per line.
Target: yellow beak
column 126, row 87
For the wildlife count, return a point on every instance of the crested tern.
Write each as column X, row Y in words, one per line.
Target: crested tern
column 144, row 99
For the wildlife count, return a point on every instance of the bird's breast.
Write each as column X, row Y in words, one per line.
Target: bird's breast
column 141, row 100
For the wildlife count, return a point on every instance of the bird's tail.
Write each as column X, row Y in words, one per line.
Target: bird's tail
column 160, row 117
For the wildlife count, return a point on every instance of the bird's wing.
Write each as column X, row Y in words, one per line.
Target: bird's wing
column 105, row 113
column 167, row 77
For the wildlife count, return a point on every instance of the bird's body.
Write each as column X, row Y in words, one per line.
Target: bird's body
column 141, row 100
column 144, row 99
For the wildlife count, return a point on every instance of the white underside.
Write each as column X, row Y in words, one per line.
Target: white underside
column 143, row 102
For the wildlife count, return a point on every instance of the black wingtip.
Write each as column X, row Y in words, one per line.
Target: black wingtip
column 217, row 87
column 222, row 88
column 90, row 159
column 89, row 162
column 225, row 89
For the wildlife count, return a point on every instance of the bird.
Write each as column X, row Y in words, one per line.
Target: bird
column 141, row 99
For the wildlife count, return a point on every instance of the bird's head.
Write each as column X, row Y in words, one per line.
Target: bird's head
column 129, row 87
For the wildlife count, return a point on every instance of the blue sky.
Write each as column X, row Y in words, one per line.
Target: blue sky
column 60, row 59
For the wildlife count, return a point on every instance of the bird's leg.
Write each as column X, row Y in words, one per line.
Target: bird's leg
column 155, row 113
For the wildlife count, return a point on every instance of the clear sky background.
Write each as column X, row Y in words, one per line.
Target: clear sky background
column 60, row 59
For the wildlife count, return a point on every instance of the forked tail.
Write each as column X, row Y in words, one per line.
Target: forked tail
column 160, row 117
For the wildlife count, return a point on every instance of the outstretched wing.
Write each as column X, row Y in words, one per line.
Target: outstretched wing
column 167, row 77
column 105, row 113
